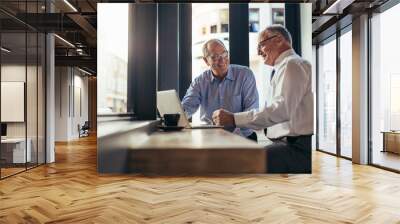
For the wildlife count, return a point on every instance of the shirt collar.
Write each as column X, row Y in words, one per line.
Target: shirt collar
column 282, row 56
column 229, row 76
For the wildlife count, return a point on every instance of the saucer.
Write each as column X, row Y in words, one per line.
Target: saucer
column 170, row 128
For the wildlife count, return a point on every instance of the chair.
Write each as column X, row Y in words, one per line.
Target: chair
column 84, row 130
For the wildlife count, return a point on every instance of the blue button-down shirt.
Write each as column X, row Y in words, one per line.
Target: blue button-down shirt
column 237, row 92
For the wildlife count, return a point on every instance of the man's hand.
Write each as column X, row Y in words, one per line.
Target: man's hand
column 223, row 117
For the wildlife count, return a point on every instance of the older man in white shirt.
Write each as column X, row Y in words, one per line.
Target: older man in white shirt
column 289, row 113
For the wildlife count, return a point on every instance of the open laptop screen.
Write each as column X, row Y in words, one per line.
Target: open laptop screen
column 168, row 102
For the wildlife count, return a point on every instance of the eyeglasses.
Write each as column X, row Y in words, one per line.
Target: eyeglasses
column 216, row 57
column 262, row 43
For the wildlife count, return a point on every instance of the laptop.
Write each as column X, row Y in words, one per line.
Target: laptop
column 168, row 102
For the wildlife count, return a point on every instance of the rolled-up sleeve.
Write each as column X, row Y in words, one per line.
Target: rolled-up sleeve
column 192, row 99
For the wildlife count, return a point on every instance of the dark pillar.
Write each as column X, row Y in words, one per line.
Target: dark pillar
column 168, row 47
column 239, row 33
column 142, row 61
column 292, row 23
column 185, row 47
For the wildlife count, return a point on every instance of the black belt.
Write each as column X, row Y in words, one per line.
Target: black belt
column 289, row 139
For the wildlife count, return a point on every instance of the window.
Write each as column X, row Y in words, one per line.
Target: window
column 260, row 14
column 14, row 75
column 334, row 137
column 224, row 28
column 203, row 30
column 112, row 57
column 327, row 97
column 254, row 20
column 22, row 65
column 346, row 94
column 278, row 15
column 394, row 102
column 385, row 84
column 213, row 29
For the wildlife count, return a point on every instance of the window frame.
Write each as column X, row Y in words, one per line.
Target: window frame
column 28, row 29
column 378, row 10
column 334, row 37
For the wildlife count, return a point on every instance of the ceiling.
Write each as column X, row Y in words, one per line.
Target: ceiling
column 330, row 16
column 76, row 22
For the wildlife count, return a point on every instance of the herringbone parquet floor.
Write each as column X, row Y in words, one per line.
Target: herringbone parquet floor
column 71, row 191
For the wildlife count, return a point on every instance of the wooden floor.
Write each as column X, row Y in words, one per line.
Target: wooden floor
column 71, row 191
column 386, row 159
column 10, row 171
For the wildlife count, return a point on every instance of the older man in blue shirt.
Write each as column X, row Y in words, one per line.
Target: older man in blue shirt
column 226, row 86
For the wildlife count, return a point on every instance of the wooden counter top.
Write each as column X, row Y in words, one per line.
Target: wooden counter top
column 198, row 151
column 197, row 139
column 139, row 147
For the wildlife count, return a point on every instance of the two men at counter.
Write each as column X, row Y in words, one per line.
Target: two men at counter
column 288, row 114
column 224, row 85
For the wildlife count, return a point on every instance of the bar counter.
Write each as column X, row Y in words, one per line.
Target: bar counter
column 145, row 149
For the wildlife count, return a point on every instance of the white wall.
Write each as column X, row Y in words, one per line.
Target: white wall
column 62, row 81
column 80, row 110
column 71, row 102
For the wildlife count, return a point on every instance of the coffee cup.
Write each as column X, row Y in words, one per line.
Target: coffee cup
column 171, row 119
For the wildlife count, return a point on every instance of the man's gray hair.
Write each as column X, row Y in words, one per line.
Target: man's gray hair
column 205, row 46
column 279, row 29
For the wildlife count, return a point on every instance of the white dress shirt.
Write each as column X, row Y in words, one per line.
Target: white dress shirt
column 290, row 109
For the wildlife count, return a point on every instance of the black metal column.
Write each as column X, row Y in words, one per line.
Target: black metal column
column 185, row 47
column 338, row 96
column 239, row 33
column 142, row 61
column 293, row 24
column 168, row 47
